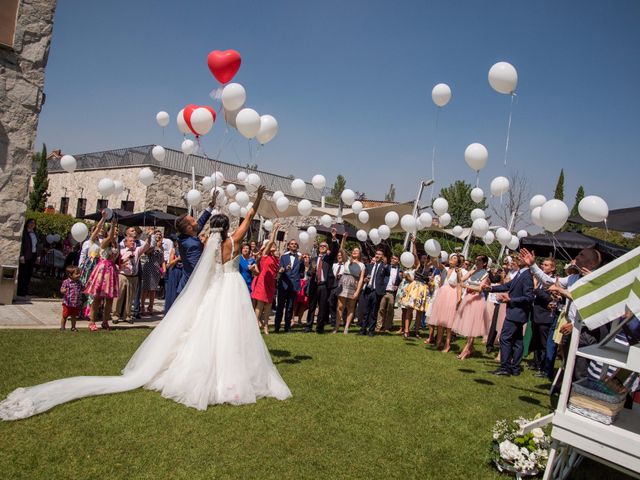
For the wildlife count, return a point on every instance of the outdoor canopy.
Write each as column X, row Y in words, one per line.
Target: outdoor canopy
column 620, row 220
column 567, row 245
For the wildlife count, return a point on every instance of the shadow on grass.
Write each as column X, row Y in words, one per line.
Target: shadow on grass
column 295, row 360
column 132, row 327
column 280, row 353
column 482, row 381
column 532, row 401
column 466, row 370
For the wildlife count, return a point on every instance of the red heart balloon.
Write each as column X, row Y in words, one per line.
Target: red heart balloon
column 213, row 112
column 188, row 110
column 224, row 65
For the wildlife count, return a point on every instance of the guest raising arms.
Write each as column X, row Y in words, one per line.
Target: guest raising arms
column 321, row 281
column 443, row 313
column 152, row 271
column 89, row 258
column 174, row 273
column 301, row 303
column 264, row 285
column 416, row 294
column 246, row 265
column 350, row 284
column 385, row 312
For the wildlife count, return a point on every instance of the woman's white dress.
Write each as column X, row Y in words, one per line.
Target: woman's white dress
column 207, row 350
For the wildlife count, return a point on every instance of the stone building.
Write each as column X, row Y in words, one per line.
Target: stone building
column 25, row 37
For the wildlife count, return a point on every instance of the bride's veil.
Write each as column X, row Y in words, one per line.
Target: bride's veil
column 153, row 355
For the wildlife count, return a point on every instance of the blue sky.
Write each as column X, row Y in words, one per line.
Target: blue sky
column 350, row 84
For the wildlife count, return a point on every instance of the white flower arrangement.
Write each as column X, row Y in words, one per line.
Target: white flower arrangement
column 514, row 451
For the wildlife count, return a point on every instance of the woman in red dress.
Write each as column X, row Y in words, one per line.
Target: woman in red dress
column 264, row 285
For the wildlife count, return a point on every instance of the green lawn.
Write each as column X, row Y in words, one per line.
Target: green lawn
column 361, row 408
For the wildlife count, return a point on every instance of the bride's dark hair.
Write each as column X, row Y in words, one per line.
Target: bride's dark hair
column 220, row 223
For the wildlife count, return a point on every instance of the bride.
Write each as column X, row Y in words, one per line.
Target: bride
column 207, row 350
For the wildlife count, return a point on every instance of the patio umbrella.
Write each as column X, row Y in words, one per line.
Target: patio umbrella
column 121, row 214
column 150, row 218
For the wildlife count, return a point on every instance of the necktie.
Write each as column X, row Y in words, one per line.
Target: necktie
column 339, row 270
column 373, row 276
column 319, row 269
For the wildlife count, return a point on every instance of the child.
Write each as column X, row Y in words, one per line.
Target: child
column 72, row 290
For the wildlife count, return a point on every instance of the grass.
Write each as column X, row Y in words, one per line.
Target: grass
column 361, row 408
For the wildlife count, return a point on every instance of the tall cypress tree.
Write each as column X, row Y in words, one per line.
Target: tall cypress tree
column 579, row 197
column 38, row 195
column 559, row 193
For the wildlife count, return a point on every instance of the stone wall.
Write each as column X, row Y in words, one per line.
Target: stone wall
column 21, row 98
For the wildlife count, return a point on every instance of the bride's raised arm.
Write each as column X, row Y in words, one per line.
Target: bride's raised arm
column 241, row 231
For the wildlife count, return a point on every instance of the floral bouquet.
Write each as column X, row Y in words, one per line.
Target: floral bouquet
column 514, row 451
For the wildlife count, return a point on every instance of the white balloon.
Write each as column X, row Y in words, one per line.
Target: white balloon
column 384, row 231
column 241, row 176
column 162, row 118
column 514, row 243
column 440, row 206
column 242, row 198
column 407, row 259
column 304, row 207
column 419, row 225
column 231, row 190
column 477, row 195
column 253, row 182
column 476, row 156
column 49, row 238
column 202, row 120
column 146, row 176
column 503, row 235
column 357, row 207
column 68, row 163
column 457, row 231
column 477, row 213
column 298, row 187
column 118, row 187
column 158, row 153
column 194, row 197
column 408, row 223
column 188, row 146
column 182, row 123
column 79, row 231
column 326, row 221
column 480, row 227
column 503, row 78
column 374, row 235
column 230, row 117
column 444, row 220
column 444, row 256
column 554, row 215
column 363, row 217
column 432, row 247
column 267, row 225
column 106, row 187
column 312, row 231
column 282, row 204
column 488, row 238
column 522, row 234
column 391, row 219
column 441, row 94
column 361, row 235
column 276, row 195
column 233, row 96
column 207, row 183
column 319, row 181
column 593, row 209
column 234, row 209
column 348, row 196
column 268, row 129
column 303, row 237
column 425, row 219
column 248, row 122
column 537, row 201
column 535, row 216
column 218, row 178
column 244, row 211
column 499, row 186
column 221, row 198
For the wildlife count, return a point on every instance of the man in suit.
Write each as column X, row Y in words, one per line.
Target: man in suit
column 518, row 295
column 385, row 311
column 189, row 244
column 543, row 318
column 291, row 272
column 377, row 277
column 28, row 257
column 321, row 281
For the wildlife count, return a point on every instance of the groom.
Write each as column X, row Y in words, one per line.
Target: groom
column 189, row 245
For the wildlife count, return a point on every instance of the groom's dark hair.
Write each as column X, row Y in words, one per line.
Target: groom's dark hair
column 181, row 223
column 220, row 222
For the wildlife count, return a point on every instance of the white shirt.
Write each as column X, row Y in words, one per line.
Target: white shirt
column 391, row 285
column 374, row 272
column 34, row 241
column 338, row 269
column 565, row 282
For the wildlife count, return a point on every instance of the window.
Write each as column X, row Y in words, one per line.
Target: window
column 102, row 204
column 64, row 205
column 81, row 207
column 127, row 205
column 8, row 15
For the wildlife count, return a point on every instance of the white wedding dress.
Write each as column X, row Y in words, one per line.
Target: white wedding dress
column 207, row 350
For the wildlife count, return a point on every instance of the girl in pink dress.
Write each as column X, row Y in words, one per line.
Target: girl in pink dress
column 264, row 285
column 103, row 282
column 444, row 307
column 471, row 318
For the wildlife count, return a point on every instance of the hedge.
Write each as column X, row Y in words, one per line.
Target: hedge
column 54, row 223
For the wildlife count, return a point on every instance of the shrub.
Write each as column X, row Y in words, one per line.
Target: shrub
column 54, row 223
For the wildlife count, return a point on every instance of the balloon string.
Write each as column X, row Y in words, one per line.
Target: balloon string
column 433, row 152
column 477, row 178
column 506, row 148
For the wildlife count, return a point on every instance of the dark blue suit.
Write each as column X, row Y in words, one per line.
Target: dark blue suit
column 372, row 294
column 518, row 310
column 190, row 249
column 288, row 288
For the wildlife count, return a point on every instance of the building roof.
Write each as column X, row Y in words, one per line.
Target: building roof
column 176, row 161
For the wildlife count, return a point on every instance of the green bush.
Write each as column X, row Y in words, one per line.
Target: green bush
column 54, row 223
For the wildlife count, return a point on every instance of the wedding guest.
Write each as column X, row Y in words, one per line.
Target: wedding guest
column 542, row 319
column 301, row 303
column 71, row 288
column 385, row 312
column 89, row 258
column 246, row 265
column 416, row 293
column 264, row 285
column 174, row 273
column 496, row 310
column 321, row 281
column 449, row 296
column 471, row 317
column 338, row 270
column 254, row 250
column 135, row 233
column 350, row 284
column 153, row 268
column 28, row 256
column 128, row 285
column 103, row 282
column 291, row 271
column 376, row 279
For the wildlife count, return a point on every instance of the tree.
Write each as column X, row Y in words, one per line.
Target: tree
column 458, row 195
column 391, row 195
column 579, row 197
column 337, row 189
column 38, row 195
column 559, row 193
column 515, row 201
